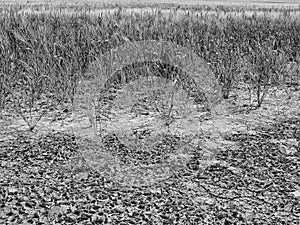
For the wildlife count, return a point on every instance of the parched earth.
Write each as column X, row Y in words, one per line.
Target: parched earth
column 240, row 167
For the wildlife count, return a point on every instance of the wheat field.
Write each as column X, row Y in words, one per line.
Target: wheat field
column 167, row 114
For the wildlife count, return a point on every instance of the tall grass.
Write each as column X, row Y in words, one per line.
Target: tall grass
column 43, row 56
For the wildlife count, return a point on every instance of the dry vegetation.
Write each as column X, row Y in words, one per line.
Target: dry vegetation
column 237, row 164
